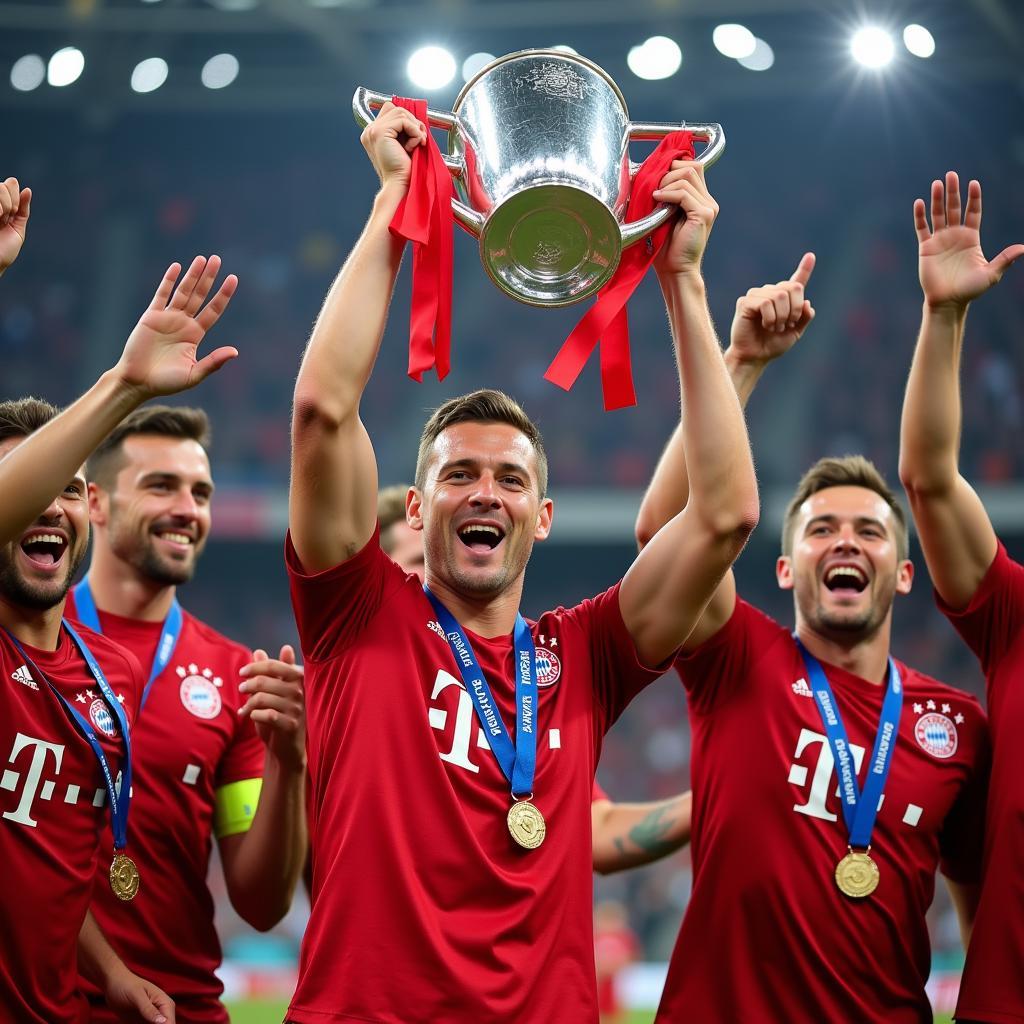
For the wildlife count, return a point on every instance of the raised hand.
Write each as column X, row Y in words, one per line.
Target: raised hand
column 769, row 320
column 685, row 186
column 160, row 356
column 951, row 266
column 15, row 202
column 389, row 141
column 277, row 704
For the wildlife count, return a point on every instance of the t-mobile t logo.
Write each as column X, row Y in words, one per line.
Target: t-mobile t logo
column 821, row 780
column 30, row 787
column 465, row 721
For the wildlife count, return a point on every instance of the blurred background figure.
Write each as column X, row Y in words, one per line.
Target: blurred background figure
column 615, row 946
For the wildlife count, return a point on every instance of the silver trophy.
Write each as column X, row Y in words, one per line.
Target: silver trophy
column 538, row 145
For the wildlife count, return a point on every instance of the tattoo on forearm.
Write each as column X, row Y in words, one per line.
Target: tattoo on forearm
column 649, row 834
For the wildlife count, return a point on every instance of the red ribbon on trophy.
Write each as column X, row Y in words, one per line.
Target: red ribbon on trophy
column 424, row 217
column 606, row 323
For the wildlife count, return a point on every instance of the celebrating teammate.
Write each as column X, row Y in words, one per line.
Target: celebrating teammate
column 207, row 717
column 451, row 861
column 829, row 781
column 978, row 586
column 69, row 694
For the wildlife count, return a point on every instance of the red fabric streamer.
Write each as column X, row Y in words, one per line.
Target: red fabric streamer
column 424, row 217
column 606, row 323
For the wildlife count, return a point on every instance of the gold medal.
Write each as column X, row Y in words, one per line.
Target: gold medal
column 124, row 877
column 526, row 824
column 857, row 874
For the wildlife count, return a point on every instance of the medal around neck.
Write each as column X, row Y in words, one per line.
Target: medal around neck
column 124, row 877
column 857, row 874
column 526, row 824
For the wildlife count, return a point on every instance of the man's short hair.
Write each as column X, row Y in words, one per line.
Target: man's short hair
column 845, row 471
column 20, row 417
column 177, row 421
column 485, row 406
column 390, row 510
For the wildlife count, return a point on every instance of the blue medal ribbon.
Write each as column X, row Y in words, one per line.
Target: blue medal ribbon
column 517, row 762
column 860, row 807
column 170, row 631
column 119, row 801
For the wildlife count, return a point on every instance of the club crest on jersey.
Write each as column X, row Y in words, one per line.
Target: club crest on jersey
column 101, row 718
column 199, row 691
column 549, row 668
column 937, row 734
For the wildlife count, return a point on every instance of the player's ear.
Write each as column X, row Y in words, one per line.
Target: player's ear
column 904, row 577
column 99, row 505
column 784, row 572
column 544, row 517
column 414, row 509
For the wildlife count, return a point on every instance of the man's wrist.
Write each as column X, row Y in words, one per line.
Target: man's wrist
column 947, row 312
column 122, row 394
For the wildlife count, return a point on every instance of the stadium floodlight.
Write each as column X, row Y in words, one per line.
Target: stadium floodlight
column 565, row 48
column 28, row 72
column 918, row 40
column 65, row 66
column 734, row 41
column 234, row 5
column 219, row 71
column 761, row 59
column 474, row 63
column 149, row 74
column 657, row 57
column 431, row 67
column 872, row 47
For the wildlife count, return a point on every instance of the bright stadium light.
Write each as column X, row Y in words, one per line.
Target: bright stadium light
column 761, row 59
column 234, row 5
column 65, row 66
column 872, row 47
column 28, row 72
column 918, row 40
column 475, row 62
column 564, row 48
column 149, row 74
column 431, row 67
column 657, row 57
column 219, row 71
column 734, row 41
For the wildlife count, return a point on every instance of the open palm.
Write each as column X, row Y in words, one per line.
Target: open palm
column 161, row 354
column 951, row 265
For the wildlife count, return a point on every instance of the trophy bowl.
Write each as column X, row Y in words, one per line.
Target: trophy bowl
column 538, row 146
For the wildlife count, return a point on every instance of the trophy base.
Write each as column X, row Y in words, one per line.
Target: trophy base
column 551, row 245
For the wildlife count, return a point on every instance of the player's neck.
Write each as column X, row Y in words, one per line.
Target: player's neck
column 32, row 626
column 486, row 616
column 119, row 589
column 867, row 657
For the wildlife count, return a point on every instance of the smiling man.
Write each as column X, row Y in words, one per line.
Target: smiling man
column 829, row 781
column 452, row 744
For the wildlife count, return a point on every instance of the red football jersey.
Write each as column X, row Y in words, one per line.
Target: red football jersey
column 187, row 743
column 424, row 909
column 993, row 626
column 767, row 934
column 598, row 793
column 54, row 808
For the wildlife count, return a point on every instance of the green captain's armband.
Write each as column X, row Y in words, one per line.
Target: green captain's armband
column 235, row 807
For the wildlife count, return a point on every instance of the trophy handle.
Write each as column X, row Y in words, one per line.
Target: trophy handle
column 714, row 139
column 365, row 102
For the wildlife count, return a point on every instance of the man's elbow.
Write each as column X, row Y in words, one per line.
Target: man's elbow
column 922, row 482
column 260, row 914
column 316, row 412
column 731, row 525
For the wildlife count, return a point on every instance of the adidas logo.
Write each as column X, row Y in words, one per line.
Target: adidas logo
column 23, row 676
column 801, row 689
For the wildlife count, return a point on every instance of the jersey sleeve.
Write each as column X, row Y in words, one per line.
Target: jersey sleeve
column 333, row 606
column 963, row 831
column 991, row 621
column 598, row 793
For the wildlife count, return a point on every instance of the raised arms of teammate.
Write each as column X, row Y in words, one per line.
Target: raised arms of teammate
column 159, row 358
column 333, row 496
column 768, row 322
column 630, row 835
column 125, row 993
column 667, row 588
column 15, row 202
column 956, row 536
column 262, row 866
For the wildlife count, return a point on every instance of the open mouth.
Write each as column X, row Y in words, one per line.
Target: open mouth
column 845, row 579
column 44, row 549
column 481, row 538
column 175, row 537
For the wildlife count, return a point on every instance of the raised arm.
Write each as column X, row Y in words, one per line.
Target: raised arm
column 159, row 358
column 15, row 202
column 629, row 835
column 955, row 532
column 332, row 504
column 768, row 322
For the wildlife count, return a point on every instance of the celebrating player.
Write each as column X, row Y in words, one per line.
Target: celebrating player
column 207, row 717
column 978, row 586
column 69, row 694
column 451, row 862
column 829, row 780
